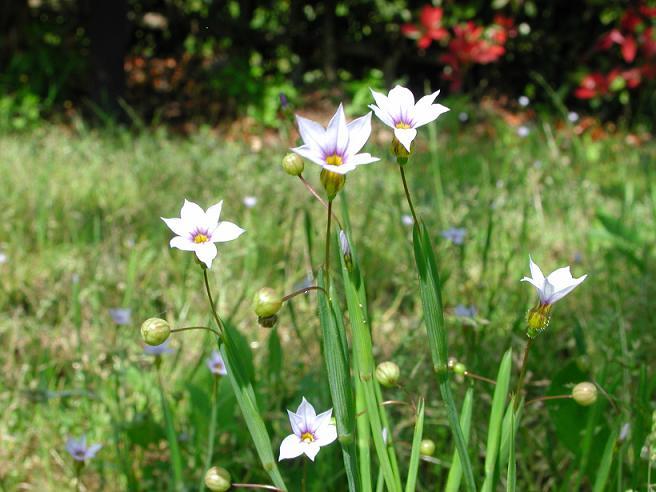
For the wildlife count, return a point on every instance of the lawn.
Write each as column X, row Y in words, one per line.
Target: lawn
column 80, row 234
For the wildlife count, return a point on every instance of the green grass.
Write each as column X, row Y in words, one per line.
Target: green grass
column 79, row 223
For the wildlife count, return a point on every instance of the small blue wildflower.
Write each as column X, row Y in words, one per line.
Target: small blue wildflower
column 455, row 234
column 79, row 450
column 283, row 100
column 407, row 220
column 573, row 116
column 161, row 349
column 215, row 364
column 463, row 117
column 463, row 311
column 121, row 316
column 523, row 131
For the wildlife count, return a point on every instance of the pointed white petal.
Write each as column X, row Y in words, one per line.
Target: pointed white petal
column 183, row 243
column 226, row 231
column 192, row 214
column 310, row 153
column 322, row 419
column 405, row 136
column 382, row 115
column 337, row 134
column 402, row 99
column 178, row 226
column 536, row 273
column 343, row 169
column 426, row 115
column 358, row 131
column 306, row 411
column 312, row 133
column 360, row 159
column 547, row 292
column 386, row 107
column 311, row 449
column 326, row 435
column 558, row 295
column 290, row 447
column 212, row 215
column 560, row 278
column 427, row 100
column 295, row 422
column 206, row 252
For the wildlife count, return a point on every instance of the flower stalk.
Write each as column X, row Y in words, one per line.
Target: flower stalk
column 407, row 195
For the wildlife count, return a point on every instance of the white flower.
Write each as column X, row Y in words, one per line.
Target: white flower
column 197, row 230
column 555, row 286
column 524, row 101
column 336, row 147
column 250, row 201
column 399, row 111
column 573, row 116
column 310, row 432
column 407, row 220
column 523, row 131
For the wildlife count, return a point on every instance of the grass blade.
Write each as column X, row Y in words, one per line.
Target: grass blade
column 172, row 437
column 496, row 417
column 606, row 462
column 508, row 430
column 455, row 472
column 413, row 467
column 512, row 464
column 429, row 287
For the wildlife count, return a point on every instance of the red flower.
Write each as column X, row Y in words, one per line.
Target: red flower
column 593, row 85
column 430, row 28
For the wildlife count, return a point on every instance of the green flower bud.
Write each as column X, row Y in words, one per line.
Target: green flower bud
column 427, row 447
column 266, row 302
column 400, row 152
column 155, row 331
column 538, row 319
column 332, row 182
column 268, row 321
column 217, row 479
column 293, row 164
column 387, row 373
column 460, row 369
column 585, row 394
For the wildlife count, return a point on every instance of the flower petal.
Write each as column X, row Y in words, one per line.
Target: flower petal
column 358, row 133
column 360, row 159
column 405, row 136
column 212, row 216
column 290, row 447
column 226, row 231
column 306, row 412
column 183, row 243
column 560, row 278
column 310, row 153
column 382, row 115
column 558, row 295
column 178, row 226
column 206, row 252
column 295, row 422
column 337, row 133
column 426, row 115
column 322, row 420
column 91, row 452
column 311, row 449
column 402, row 100
column 312, row 133
column 192, row 214
column 325, row 435
column 536, row 273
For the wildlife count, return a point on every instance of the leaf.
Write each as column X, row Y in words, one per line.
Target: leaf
column 606, row 461
column 455, row 472
column 413, row 466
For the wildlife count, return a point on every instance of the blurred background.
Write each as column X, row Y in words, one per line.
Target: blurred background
column 190, row 61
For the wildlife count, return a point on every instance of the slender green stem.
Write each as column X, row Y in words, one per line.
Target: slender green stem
column 211, row 300
column 522, row 375
column 479, row 377
column 327, row 259
column 187, row 328
column 303, row 291
column 545, row 398
column 78, row 469
column 407, row 195
column 212, row 431
column 255, row 486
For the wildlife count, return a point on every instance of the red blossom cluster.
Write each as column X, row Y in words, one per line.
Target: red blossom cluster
column 636, row 38
column 467, row 43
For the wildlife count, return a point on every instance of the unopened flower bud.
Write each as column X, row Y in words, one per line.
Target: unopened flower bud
column 332, row 182
column 346, row 250
column 293, row 164
column 400, row 152
column 585, row 394
column 268, row 321
column 427, row 447
column 388, row 373
column 538, row 319
column 266, row 302
column 460, row 369
column 217, row 479
column 155, row 331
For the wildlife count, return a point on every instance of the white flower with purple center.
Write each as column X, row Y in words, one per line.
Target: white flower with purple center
column 79, row 450
column 455, row 234
column 399, row 111
column 215, row 364
column 335, row 148
column 555, row 286
column 310, row 432
column 121, row 316
column 197, row 230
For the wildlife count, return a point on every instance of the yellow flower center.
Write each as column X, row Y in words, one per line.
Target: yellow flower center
column 200, row 238
column 334, row 160
column 402, row 126
column 307, row 437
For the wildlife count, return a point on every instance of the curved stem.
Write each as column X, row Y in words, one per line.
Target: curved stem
column 212, row 431
column 479, row 377
column 211, row 300
column 522, row 375
column 407, row 194
column 256, row 486
column 327, row 259
column 553, row 397
column 318, row 197
column 303, row 291
column 187, row 328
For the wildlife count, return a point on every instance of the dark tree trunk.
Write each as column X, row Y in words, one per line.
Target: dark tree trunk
column 109, row 36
